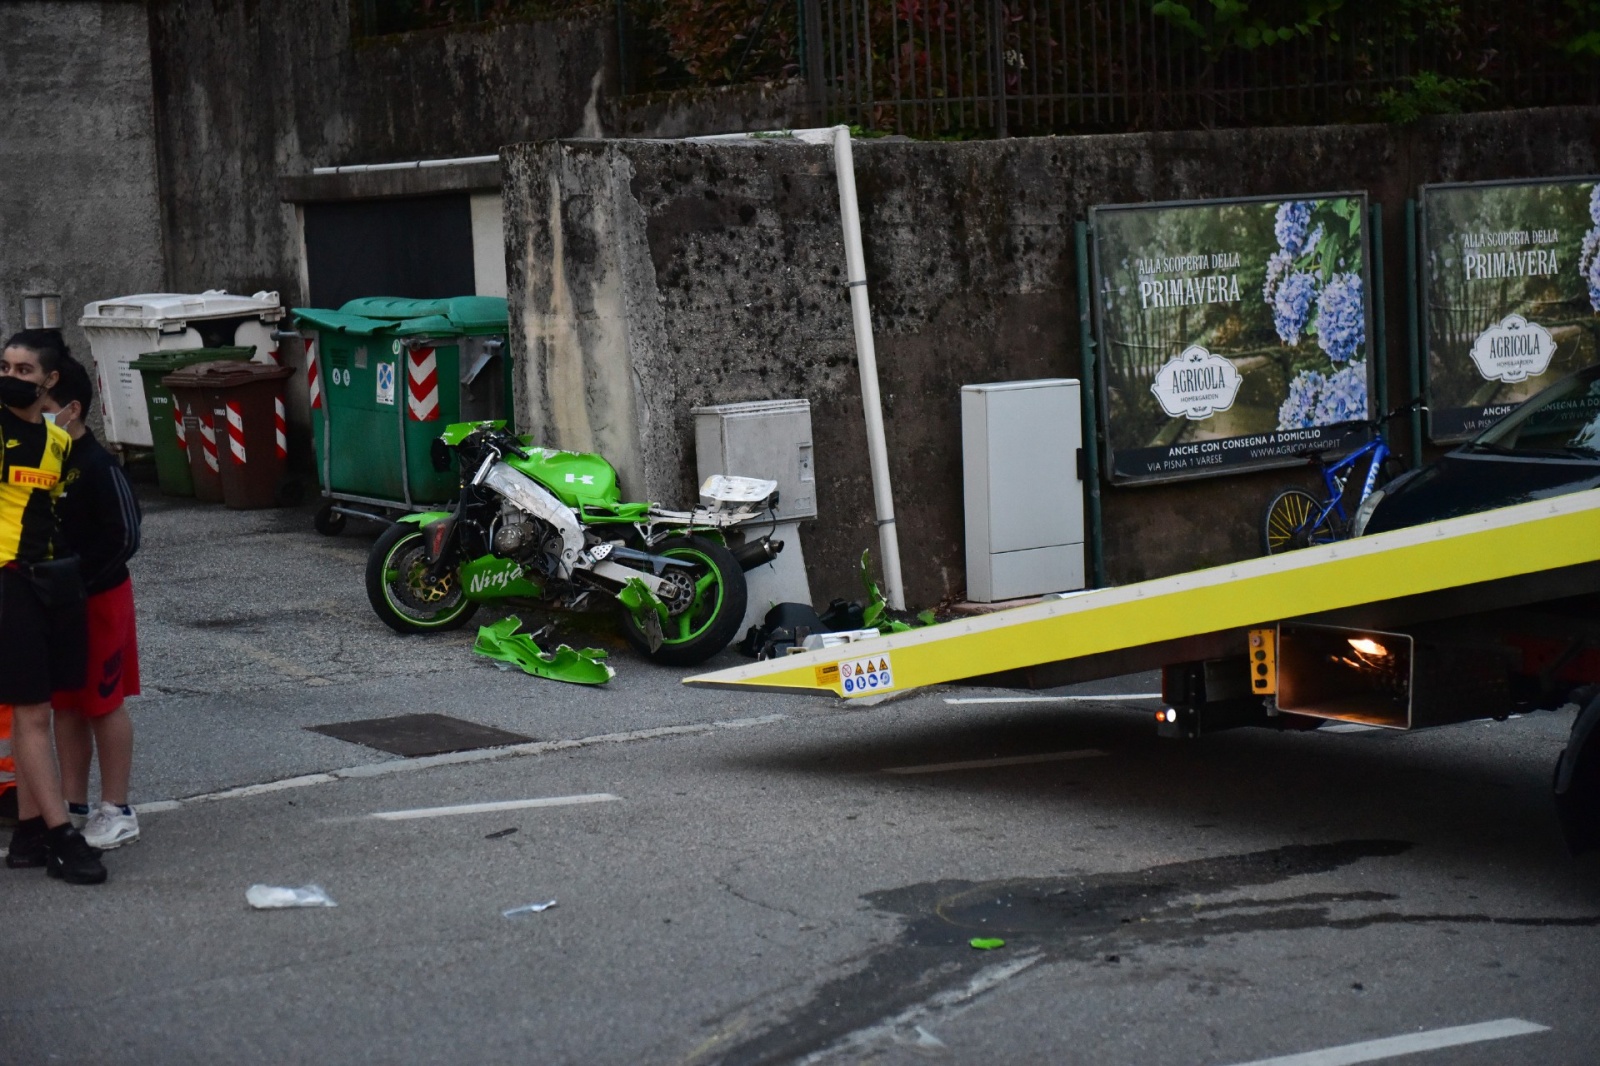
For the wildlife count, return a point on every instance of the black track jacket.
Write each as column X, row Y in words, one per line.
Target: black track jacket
column 97, row 515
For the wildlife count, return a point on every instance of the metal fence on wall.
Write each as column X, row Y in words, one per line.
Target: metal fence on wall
column 934, row 68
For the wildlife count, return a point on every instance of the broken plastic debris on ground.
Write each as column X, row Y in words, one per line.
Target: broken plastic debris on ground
column 987, row 943
column 797, row 626
column 277, row 897
column 503, row 643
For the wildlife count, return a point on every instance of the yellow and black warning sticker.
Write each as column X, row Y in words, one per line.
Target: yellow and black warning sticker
column 863, row 677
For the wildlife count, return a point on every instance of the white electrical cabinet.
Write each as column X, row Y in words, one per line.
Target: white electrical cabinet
column 766, row 439
column 1020, row 445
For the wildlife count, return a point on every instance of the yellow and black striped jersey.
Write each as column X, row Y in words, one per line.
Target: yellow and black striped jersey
column 32, row 455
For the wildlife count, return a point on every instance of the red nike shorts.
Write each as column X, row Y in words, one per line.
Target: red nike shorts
column 113, row 673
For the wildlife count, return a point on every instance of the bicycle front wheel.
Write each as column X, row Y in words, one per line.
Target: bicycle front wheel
column 1294, row 519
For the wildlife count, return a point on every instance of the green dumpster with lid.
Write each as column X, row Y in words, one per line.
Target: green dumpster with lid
column 385, row 376
column 168, row 433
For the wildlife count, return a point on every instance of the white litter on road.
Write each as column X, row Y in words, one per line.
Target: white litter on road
column 277, row 897
column 502, row 805
column 1410, row 1044
column 1010, row 760
column 1108, row 698
column 528, row 908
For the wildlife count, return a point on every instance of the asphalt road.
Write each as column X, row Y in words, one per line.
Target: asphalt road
column 755, row 878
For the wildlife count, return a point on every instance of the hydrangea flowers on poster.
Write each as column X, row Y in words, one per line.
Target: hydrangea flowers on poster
column 1274, row 291
column 1315, row 290
column 1511, row 294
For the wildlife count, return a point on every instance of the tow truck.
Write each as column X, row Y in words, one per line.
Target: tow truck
column 1481, row 616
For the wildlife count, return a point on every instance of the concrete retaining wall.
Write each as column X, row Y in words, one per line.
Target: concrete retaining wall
column 648, row 277
column 78, row 206
column 248, row 93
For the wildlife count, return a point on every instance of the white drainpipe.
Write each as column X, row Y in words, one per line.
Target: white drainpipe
column 866, row 353
column 415, row 164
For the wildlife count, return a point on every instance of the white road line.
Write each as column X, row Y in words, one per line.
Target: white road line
column 980, row 764
column 1109, row 698
column 982, row 981
column 503, row 805
column 403, row 766
column 268, row 786
column 1352, row 727
column 1410, row 1044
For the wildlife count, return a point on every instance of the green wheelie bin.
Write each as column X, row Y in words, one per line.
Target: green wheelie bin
column 386, row 375
column 167, row 431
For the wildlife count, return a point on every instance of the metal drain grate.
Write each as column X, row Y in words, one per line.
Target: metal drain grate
column 412, row 735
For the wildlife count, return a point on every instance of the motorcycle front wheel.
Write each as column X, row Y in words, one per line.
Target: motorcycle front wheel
column 705, row 604
column 399, row 589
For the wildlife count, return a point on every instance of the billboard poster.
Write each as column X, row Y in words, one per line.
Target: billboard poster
column 1511, row 280
column 1233, row 334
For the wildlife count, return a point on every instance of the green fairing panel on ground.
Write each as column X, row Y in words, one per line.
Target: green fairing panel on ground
column 503, row 643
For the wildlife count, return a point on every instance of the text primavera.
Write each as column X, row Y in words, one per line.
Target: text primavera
column 1185, row 292
column 1484, row 266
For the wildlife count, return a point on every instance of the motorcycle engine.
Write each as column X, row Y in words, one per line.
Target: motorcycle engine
column 526, row 539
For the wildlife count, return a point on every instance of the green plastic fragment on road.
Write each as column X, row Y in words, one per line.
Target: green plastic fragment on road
column 502, row 642
column 649, row 612
column 876, row 614
column 987, row 943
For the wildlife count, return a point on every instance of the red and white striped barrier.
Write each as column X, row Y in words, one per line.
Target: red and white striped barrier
column 422, row 396
column 208, row 441
column 313, row 378
column 235, row 432
column 280, row 420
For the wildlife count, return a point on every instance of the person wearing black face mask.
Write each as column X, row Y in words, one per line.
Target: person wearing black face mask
column 42, row 639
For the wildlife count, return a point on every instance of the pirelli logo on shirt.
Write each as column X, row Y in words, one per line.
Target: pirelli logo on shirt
column 31, row 477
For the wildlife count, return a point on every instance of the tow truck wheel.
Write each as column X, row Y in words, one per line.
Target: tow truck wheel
column 1577, row 781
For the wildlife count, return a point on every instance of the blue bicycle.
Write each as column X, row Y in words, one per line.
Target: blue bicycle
column 1297, row 519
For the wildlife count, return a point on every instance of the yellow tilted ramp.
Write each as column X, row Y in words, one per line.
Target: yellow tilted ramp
column 1516, row 555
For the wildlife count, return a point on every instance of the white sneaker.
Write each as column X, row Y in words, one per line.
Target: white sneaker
column 78, row 820
column 109, row 828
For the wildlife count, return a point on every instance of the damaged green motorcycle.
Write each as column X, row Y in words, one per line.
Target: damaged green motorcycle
column 549, row 528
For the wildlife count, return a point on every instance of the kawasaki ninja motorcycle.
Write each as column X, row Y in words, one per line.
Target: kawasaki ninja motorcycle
column 547, row 527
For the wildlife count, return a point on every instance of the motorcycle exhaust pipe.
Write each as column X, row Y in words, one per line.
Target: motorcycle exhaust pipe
column 757, row 553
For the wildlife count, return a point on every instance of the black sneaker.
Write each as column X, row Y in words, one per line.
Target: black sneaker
column 72, row 859
column 29, row 845
column 8, row 808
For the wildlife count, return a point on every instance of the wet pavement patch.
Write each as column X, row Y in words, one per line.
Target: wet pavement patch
column 413, row 735
column 1092, row 918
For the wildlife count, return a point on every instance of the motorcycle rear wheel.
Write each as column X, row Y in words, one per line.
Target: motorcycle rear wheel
column 400, row 593
column 707, row 616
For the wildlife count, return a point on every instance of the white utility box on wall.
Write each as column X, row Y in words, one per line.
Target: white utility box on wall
column 766, row 439
column 1020, row 442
